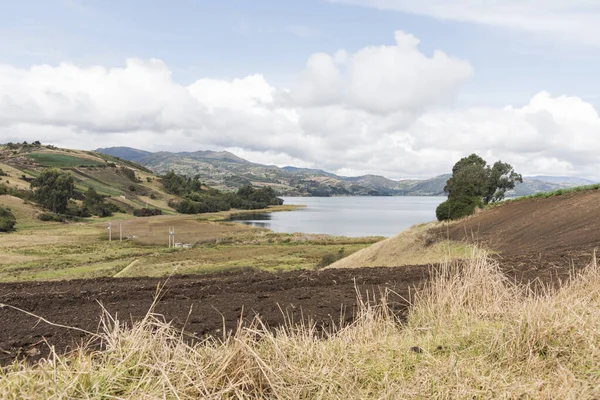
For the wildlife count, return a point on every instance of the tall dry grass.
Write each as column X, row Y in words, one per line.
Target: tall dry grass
column 470, row 334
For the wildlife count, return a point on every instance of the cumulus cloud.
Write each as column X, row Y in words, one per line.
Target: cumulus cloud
column 382, row 79
column 374, row 111
column 576, row 20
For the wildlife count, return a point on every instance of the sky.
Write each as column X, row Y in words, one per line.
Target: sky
column 397, row 88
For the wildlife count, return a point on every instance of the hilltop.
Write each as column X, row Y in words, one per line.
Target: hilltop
column 226, row 171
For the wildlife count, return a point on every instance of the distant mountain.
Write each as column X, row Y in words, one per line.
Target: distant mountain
column 126, row 153
column 562, row 180
column 226, row 171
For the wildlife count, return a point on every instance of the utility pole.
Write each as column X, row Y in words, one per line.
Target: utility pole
column 171, row 236
column 109, row 231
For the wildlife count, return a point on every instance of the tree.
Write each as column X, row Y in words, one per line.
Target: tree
column 474, row 183
column 53, row 189
column 7, row 220
column 94, row 204
column 501, row 177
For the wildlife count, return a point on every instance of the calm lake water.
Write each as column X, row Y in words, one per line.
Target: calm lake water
column 348, row 216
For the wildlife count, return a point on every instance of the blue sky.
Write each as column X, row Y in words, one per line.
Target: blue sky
column 235, row 38
column 553, row 51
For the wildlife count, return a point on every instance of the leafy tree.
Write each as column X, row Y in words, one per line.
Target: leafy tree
column 474, row 183
column 7, row 220
column 53, row 189
column 501, row 177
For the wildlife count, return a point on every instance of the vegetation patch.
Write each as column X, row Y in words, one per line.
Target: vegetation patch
column 559, row 192
column 61, row 160
column 7, row 220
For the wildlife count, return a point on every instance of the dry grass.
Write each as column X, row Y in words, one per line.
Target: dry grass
column 470, row 334
column 14, row 177
column 415, row 246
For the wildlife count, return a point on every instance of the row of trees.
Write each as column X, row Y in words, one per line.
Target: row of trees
column 473, row 184
column 197, row 200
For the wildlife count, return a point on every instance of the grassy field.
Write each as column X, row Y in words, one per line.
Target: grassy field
column 81, row 250
column 471, row 333
column 61, row 160
column 415, row 246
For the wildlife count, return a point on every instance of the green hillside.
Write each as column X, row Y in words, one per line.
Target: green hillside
column 125, row 184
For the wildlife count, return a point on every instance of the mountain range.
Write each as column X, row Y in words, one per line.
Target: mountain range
column 226, row 171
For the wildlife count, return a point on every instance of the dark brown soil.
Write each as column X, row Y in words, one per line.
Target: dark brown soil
column 210, row 302
column 202, row 305
column 567, row 225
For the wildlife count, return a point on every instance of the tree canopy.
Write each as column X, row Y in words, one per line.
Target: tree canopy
column 474, row 183
column 196, row 199
column 53, row 189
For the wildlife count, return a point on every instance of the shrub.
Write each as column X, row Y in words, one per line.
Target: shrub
column 129, row 174
column 7, row 220
column 147, row 212
column 50, row 217
column 457, row 207
column 330, row 258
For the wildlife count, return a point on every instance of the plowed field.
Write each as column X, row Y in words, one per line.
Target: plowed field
column 567, row 225
column 203, row 305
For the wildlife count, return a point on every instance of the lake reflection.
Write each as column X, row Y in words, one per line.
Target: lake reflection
column 348, row 216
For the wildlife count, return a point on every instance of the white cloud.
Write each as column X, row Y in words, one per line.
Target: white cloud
column 374, row 111
column 573, row 20
column 382, row 79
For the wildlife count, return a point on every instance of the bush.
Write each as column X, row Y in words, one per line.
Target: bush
column 50, row 217
column 146, row 212
column 457, row 207
column 330, row 258
column 129, row 174
column 7, row 220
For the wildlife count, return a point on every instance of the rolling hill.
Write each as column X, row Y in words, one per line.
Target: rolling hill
column 128, row 185
column 226, row 171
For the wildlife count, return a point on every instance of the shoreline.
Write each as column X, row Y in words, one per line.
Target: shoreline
column 223, row 216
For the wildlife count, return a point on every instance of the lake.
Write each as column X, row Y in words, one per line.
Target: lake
column 348, row 216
